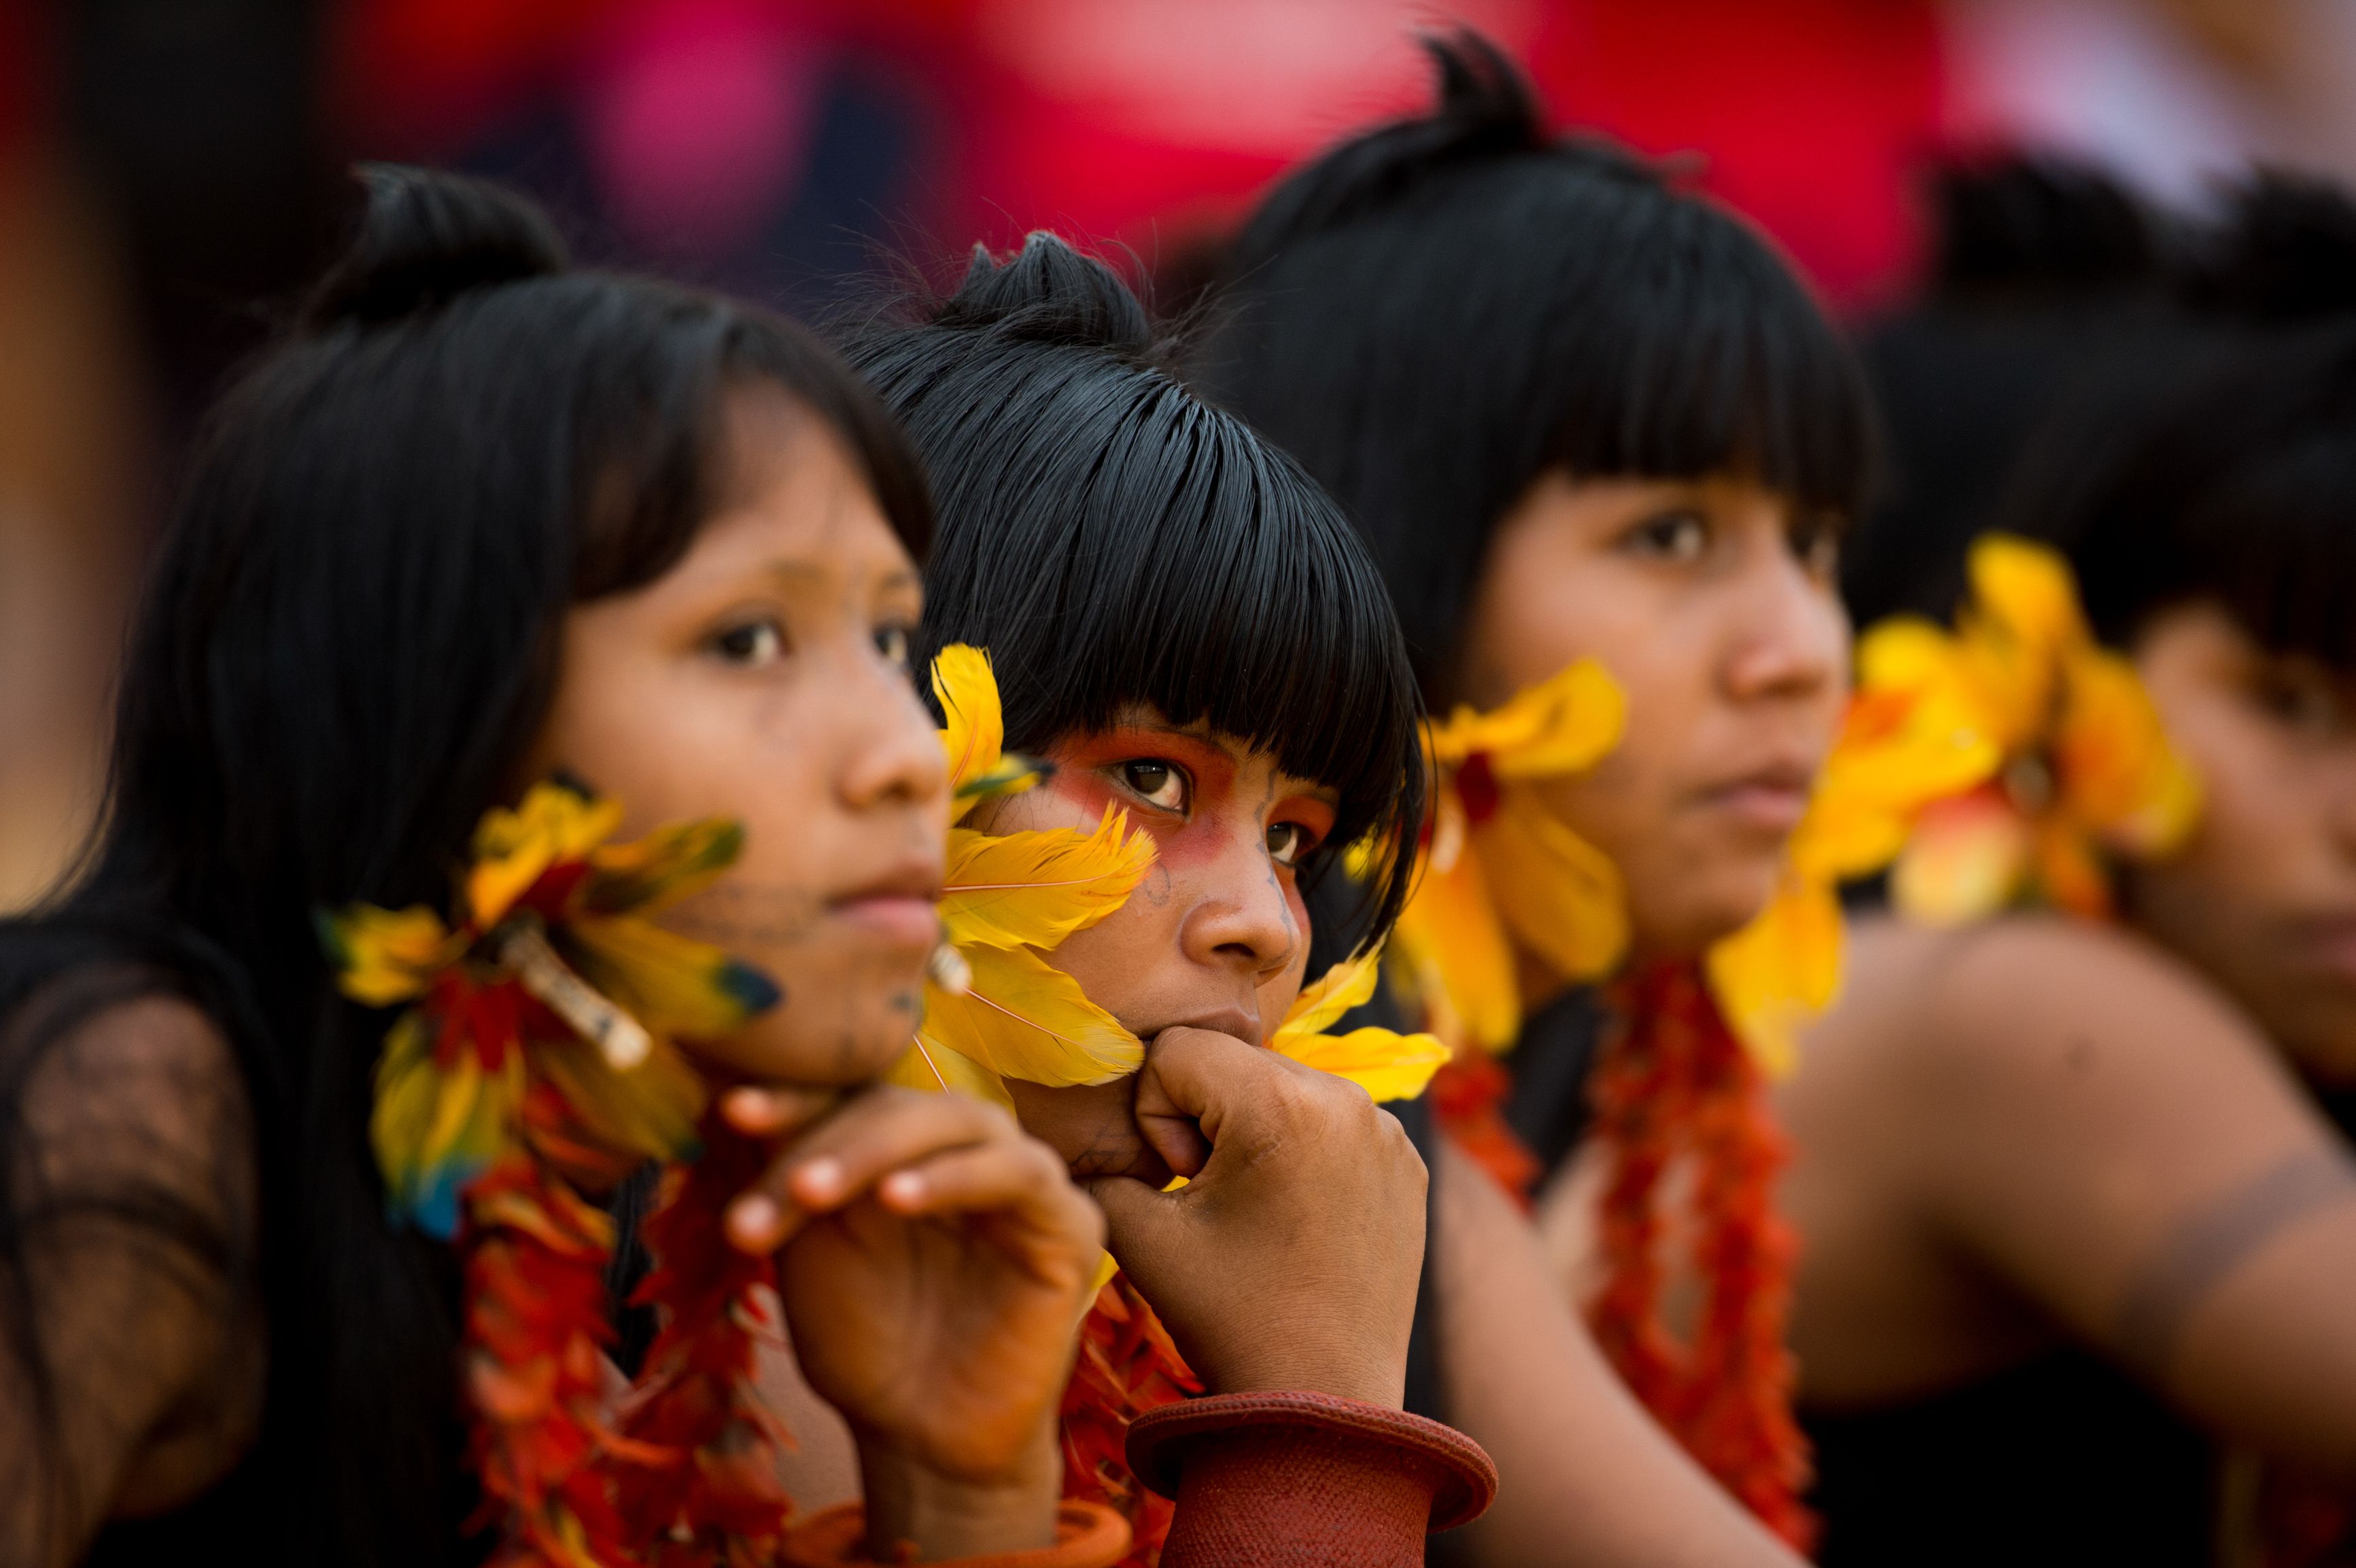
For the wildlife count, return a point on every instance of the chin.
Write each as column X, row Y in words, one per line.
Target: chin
column 1705, row 911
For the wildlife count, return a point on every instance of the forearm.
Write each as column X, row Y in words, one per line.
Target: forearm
column 1585, row 1475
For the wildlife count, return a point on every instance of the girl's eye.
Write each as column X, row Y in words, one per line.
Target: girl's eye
column 752, row 644
column 892, row 642
column 1678, row 536
column 2304, row 700
column 1288, row 842
column 1159, row 783
column 1816, row 542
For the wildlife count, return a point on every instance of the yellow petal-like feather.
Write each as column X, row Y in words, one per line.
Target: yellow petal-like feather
column 974, row 732
column 1777, row 974
column 934, row 1066
column 1035, row 889
column 1323, row 1002
column 555, row 822
column 1560, row 896
column 1387, row 1065
column 1450, row 935
column 1562, row 725
column 382, row 956
column 1024, row 1018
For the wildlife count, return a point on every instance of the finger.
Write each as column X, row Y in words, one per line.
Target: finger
column 1021, row 1176
column 841, row 1156
column 1137, row 1217
column 1193, row 1080
column 773, row 1110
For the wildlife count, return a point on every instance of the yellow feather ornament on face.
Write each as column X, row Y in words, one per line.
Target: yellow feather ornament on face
column 1500, row 870
column 1008, row 898
column 1991, row 762
column 2080, row 765
column 1387, row 1065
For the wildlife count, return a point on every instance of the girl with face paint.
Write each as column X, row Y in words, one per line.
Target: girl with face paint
column 1184, row 631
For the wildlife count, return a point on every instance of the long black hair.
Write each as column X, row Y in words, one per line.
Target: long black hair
column 1112, row 539
column 2223, row 467
column 349, row 641
column 1433, row 315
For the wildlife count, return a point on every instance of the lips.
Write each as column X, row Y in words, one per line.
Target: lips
column 2328, row 942
column 898, row 906
column 1771, row 799
column 1231, row 1021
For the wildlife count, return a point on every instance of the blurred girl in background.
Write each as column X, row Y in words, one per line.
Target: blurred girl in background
column 2078, row 1195
column 1602, row 445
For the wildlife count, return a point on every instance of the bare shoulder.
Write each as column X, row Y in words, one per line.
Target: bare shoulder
column 2036, row 1002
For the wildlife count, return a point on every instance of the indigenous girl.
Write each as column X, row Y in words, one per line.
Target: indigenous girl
column 1601, row 444
column 1183, row 628
column 482, row 523
column 2079, row 1193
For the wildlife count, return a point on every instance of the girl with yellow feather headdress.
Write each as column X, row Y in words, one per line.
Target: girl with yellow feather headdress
column 1602, row 445
column 1179, row 631
column 2080, row 1142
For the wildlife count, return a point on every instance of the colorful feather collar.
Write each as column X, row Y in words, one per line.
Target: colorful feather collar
column 537, row 1060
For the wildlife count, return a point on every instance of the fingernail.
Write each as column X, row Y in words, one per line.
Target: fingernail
column 748, row 1110
column 819, row 1180
column 903, row 1188
column 753, row 1223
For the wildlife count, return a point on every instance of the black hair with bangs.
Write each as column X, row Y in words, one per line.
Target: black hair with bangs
column 2241, row 491
column 1432, row 315
column 1112, row 538
column 2218, row 463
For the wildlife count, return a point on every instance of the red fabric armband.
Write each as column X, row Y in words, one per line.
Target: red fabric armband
column 1302, row 1480
column 1088, row 1535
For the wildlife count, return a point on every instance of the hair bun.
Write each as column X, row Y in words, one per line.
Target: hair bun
column 2019, row 223
column 1485, row 109
column 1049, row 292
column 426, row 238
column 2285, row 253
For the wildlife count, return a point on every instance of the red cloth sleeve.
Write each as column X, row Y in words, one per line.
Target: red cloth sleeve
column 1306, row 1480
column 1088, row 1535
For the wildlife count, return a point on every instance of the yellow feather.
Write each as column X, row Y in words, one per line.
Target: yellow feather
column 933, row 1066
column 555, row 822
column 1777, row 974
column 1559, row 894
column 1034, row 890
column 382, row 956
column 1387, row 1065
column 975, row 731
column 652, row 1108
column 1562, row 725
column 1450, row 932
column 1024, row 1018
column 1345, row 985
column 671, row 983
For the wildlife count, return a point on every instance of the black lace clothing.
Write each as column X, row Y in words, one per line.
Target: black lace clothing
column 132, row 1377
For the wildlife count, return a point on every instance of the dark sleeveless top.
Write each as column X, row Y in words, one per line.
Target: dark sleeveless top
column 2060, row 1460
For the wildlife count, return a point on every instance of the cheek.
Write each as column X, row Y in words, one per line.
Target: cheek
column 1119, row 960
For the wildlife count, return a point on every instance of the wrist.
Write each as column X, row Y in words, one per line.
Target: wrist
column 1344, row 1373
column 942, row 1514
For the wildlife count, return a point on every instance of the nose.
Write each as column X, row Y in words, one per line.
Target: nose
column 1241, row 919
column 895, row 754
column 1791, row 638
